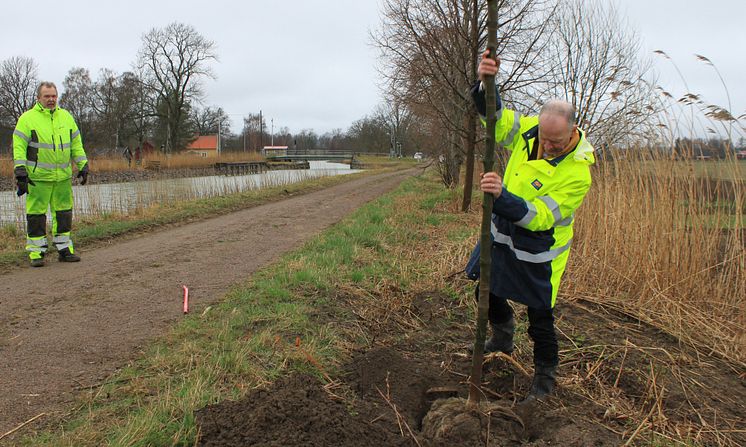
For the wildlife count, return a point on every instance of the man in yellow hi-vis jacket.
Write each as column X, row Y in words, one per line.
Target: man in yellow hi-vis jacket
column 46, row 142
column 545, row 181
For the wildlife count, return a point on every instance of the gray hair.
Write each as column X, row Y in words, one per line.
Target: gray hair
column 45, row 84
column 560, row 108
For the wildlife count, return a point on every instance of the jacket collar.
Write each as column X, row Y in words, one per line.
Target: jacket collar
column 583, row 152
column 40, row 108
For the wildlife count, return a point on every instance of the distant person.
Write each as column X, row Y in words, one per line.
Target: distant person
column 127, row 154
column 46, row 143
column 546, row 179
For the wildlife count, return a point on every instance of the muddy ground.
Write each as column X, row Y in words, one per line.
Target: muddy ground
column 409, row 389
column 65, row 328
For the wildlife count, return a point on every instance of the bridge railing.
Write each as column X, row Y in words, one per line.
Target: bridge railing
column 319, row 152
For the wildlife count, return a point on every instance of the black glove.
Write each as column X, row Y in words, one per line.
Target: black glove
column 22, row 180
column 83, row 174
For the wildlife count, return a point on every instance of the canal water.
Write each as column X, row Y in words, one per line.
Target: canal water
column 125, row 197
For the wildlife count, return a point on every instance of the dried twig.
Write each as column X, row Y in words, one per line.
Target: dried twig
column 22, row 425
column 621, row 367
column 400, row 419
column 491, row 356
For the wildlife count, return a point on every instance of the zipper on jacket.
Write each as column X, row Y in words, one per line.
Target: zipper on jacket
column 51, row 117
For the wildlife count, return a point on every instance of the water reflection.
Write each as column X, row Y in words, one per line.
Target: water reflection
column 126, row 197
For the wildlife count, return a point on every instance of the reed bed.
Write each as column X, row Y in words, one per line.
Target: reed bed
column 666, row 246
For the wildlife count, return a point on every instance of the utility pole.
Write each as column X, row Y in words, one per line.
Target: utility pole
column 272, row 120
column 261, row 130
column 220, row 119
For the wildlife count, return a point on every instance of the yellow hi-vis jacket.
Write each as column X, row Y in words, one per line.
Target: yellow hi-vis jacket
column 46, row 142
column 532, row 220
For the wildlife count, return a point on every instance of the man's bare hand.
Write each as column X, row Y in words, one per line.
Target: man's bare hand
column 491, row 183
column 487, row 66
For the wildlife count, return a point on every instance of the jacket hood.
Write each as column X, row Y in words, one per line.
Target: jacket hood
column 584, row 151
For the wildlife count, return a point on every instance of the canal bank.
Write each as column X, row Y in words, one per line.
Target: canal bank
column 128, row 191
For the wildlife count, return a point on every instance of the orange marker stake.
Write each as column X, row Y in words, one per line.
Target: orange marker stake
column 186, row 299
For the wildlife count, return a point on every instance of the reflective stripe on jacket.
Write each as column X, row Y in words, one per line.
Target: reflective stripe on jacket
column 532, row 220
column 47, row 142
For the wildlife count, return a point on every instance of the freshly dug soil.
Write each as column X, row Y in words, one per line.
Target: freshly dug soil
column 295, row 411
column 389, row 406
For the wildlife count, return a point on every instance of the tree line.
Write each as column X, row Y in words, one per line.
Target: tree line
column 159, row 101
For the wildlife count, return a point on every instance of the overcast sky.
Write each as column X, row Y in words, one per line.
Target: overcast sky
column 309, row 63
column 714, row 29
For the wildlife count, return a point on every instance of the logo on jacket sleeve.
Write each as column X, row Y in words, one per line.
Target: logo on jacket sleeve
column 537, row 184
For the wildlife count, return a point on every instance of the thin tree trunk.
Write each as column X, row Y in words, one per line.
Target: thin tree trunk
column 471, row 138
column 471, row 121
column 485, row 259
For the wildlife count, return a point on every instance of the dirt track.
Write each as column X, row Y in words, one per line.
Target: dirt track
column 68, row 326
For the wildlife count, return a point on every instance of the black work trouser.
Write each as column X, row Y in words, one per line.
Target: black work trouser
column 540, row 328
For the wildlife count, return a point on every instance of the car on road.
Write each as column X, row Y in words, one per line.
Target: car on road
column 418, row 156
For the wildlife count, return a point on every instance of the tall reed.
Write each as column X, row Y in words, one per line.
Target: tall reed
column 658, row 240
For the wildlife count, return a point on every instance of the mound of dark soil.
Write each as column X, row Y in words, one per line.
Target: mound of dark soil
column 391, row 406
column 296, row 411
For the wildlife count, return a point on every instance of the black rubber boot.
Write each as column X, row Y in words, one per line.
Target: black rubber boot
column 37, row 262
column 502, row 337
column 545, row 379
column 66, row 256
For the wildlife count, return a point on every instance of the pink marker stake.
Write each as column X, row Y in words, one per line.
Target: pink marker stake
column 186, row 299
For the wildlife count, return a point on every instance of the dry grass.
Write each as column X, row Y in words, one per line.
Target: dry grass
column 177, row 161
column 667, row 249
column 660, row 242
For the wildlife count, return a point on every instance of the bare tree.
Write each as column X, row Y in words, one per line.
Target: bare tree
column 370, row 134
column 173, row 61
column 306, row 139
column 253, row 132
column 116, row 104
column 429, row 50
column 77, row 98
column 127, row 108
column 397, row 120
column 18, row 81
column 600, row 71
column 210, row 120
column 334, row 140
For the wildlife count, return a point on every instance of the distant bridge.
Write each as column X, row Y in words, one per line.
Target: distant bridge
column 309, row 155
